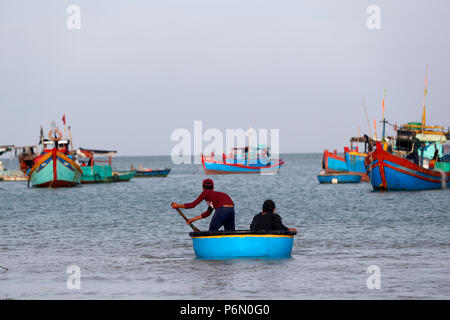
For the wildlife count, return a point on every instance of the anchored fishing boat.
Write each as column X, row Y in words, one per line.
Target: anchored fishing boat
column 10, row 175
column 26, row 156
column 56, row 166
column 151, row 173
column 339, row 177
column 416, row 163
column 242, row 244
column 332, row 162
column 406, row 170
column 99, row 170
column 243, row 160
column 351, row 163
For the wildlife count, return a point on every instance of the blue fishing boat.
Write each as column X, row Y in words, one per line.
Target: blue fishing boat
column 352, row 160
column 242, row 244
column 152, row 173
column 393, row 172
column 413, row 164
column 243, row 161
column 339, row 177
column 332, row 162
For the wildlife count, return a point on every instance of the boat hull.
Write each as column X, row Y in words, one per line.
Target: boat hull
column 356, row 165
column 213, row 167
column 331, row 162
column 122, row 176
column 390, row 172
column 104, row 174
column 152, row 174
column 55, row 170
column 339, row 178
column 242, row 244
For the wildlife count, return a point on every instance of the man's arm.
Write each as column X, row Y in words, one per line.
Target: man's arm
column 203, row 215
column 195, row 203
column 277, row 224
column 190, row 205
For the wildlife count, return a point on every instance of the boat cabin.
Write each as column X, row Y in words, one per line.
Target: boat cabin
column 86, row 157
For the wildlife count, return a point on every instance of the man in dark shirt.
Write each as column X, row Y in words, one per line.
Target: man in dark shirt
column 268, row 220
column 219, row 201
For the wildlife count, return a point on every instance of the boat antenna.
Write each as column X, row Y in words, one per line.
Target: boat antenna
column 367, row 117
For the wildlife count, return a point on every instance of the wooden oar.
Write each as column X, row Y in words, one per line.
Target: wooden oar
column 4, row 268
column 186, row 219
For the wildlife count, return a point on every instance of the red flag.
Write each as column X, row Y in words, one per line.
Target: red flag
column 64, row 119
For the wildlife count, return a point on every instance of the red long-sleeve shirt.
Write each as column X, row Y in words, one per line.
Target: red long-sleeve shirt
column 214, row 199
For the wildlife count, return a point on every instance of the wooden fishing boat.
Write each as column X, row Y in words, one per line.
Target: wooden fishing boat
column 97, row 170
column 152, row 173
column 352, row 160
column 55, row 167
column 7, row 174
column 393, row 172
column 412, row 165
column 243, row 161
column 339, row 177
column 122, row 175
column 332, row 162
column 26, row 156
column 242, row 244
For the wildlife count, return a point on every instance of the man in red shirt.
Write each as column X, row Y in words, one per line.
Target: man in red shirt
column 219, row 201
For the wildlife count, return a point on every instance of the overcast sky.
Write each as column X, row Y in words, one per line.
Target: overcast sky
column 137, row 70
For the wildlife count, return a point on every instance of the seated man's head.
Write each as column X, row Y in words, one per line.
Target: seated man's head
column 268, row 206
column 208, row 184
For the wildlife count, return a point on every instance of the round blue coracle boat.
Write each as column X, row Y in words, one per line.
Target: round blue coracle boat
column 242, row 244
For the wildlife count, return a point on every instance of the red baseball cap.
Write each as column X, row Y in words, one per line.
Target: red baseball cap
column 208, row 183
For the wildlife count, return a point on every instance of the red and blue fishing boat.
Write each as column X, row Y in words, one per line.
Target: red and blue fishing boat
column 352, row 161
column 417, row 163
column 391, row 172
column 332, row 162
column 243, row 160
column 410, row 169
column 55, row 166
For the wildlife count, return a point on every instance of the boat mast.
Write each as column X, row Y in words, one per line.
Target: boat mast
column 423, row 115
column 424, row 95
column 384, row 119
column 71, row 143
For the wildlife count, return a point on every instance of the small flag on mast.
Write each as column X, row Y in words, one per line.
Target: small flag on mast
column 64, row 119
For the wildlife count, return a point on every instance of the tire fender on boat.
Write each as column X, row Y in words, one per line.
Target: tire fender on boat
column 52, row 137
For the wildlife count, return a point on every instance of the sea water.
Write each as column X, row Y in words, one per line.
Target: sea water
column 128, row 243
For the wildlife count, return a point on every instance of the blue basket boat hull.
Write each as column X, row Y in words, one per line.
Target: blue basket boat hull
column 233, row 246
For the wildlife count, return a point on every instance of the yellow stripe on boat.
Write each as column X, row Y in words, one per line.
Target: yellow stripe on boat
column 247, row 235
column 65, row 158
column 41, row 161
